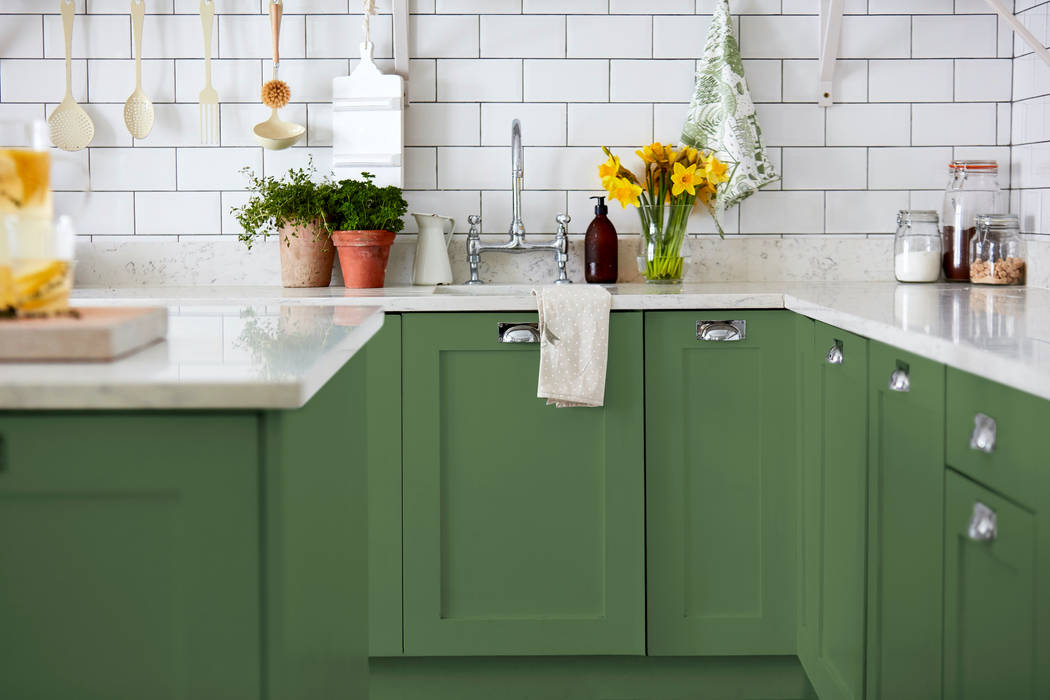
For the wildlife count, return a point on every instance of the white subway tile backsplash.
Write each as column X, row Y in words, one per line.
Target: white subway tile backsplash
column 825, row 168
column 651, row 81
column 916, row 84
column 869, row 125
column 610, row 124
column 566, row 81
column 443, row 124
column 590, row 36
column 476, row 80
column 177, row 213
column 103, row 213
column 132, row 169
column 955, row 124
column 543, row 124
column 522, row 36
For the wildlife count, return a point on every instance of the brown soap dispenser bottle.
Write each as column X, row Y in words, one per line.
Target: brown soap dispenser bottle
column 599, row 247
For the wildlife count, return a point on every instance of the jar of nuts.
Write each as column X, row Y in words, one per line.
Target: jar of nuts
column 997, row 251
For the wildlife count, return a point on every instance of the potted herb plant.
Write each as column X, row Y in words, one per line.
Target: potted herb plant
column 292, row 207
column 365, row 219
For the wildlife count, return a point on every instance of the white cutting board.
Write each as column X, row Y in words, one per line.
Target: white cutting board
column 368, row 133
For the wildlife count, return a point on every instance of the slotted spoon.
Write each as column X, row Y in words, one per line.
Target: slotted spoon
column 138, row 110
column 71, row 127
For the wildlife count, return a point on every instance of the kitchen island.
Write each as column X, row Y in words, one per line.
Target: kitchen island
column 370, row 501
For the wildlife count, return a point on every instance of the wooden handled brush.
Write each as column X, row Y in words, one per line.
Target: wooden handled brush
column 276, row 93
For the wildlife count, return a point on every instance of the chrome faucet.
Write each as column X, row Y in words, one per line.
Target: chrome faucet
column 516, row 237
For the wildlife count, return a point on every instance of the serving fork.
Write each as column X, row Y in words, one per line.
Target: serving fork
column 209, row 99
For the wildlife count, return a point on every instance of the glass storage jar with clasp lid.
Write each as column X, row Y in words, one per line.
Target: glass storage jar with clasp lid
column 997, row 251
column 972, row 189
column 917, row 246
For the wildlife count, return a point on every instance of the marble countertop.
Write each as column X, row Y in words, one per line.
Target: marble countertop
column 231, row 354
column 217, row 356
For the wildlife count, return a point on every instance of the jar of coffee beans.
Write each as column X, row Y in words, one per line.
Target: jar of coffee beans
column 997, row 251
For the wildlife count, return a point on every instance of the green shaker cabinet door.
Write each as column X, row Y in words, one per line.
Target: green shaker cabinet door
column 129, row 551
column 720, row 479
column 990, row 645
column 834, row 515
column 905, row 521
column 523, row 523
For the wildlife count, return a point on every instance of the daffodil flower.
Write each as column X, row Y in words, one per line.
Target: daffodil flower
column 623, row 191
column 609, row 169
column 685, row 180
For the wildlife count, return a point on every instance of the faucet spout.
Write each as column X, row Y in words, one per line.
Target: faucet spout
column 517, row 168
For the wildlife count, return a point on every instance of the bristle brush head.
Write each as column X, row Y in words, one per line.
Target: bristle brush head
column 276, row 94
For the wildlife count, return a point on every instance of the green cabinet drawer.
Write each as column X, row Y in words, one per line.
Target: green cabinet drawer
column 1016, row 464
column 905, row 523
column 991, row 647
column 523, row 523
column 720, row 474
column 833, row 511
column 129, row 552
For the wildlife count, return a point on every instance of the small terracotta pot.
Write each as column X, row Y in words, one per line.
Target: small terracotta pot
column 306, row 256
column 363, row 256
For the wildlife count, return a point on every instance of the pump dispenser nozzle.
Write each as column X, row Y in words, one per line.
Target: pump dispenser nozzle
column 601, row 209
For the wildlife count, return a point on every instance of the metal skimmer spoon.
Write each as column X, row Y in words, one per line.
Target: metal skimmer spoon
column 138, row 110
column 71, row 127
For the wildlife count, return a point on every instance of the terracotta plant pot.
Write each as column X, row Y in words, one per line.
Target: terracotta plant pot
column 306, row 257
column 363, row 256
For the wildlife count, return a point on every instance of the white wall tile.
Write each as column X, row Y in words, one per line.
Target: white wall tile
column 953, row 124
column 438, row 124
column 109, row 124
column 523, row 36
column 954, row 36
column 783, row 212
column 114, row 80
column 579, row 7
column 590, row 36
column 244, row 36
column 234, row 80
column 333, row 36
column 825, row 168
column 562, row 168
column 475, row 168
column 773, row 36
column 651, row 81
column 177, row 213
column 667, row 122
column 869, row 125
column 679, row 36
column 764, row 79
column 980, row 80
column 94, row 36
column 610, row 124
column 23, row 36
column 133, row 169
column 864, row 212
column 475, row 80
column 420, row 168
column 452, row 7
column 24, row 80
column 103, row 214
column 802, row 81
column 214, row 168
column 911, row 81
column 908, row 168
column 875, row 37
column 441, row 36
column 645, row 7
column 538, row 209
column 541, row 124
column 792, row 125
column 566, row 81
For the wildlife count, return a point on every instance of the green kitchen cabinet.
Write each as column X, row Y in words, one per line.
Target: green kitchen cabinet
column 129, row 551
column 905, row 521
column 833, row 507
column 523, row 523
column 991, row 647
column 720, row 478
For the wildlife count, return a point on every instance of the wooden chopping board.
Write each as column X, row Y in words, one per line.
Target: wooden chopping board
column 100, row 333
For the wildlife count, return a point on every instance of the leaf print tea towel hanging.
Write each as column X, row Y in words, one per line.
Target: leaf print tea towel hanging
column 722, row 116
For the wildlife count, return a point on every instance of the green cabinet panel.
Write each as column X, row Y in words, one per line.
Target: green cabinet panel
column 990, row 644
column 905, row 521
column 383, row 391
column 523, row 523
column 129, row 551
column 720, row 478
column 834, row 514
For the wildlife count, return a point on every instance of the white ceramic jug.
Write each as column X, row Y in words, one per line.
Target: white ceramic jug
column 431, row 265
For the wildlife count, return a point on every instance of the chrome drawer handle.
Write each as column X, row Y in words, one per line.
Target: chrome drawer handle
column 519, row 332
column 899, row 381
column 721, row 331
column 983, row 437
column 835, row 356
column 983, row 524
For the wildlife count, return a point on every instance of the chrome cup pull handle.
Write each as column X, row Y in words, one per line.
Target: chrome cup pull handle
column 518, row 333
column 835, row 356
column 983, row 524
column 983, row 437
column 721, row 331
column 899, row 381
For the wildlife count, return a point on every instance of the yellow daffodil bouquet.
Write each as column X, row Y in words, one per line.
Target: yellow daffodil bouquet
column 673, row 183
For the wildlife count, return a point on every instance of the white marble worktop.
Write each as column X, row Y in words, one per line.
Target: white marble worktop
column 268, row 347
column 999, row 333
column 223, row 354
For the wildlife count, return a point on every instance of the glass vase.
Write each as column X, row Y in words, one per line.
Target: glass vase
column 663, row 233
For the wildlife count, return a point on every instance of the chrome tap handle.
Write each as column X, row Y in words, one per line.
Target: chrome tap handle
column 473, row 248
column 561, row 247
